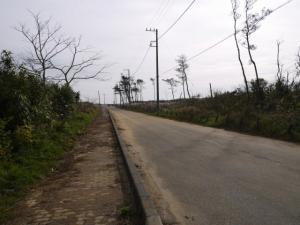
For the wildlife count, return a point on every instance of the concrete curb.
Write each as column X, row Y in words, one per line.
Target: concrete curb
column 150, row 214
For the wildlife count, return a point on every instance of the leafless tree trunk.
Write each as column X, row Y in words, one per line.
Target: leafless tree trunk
column 298, row 63
column 134, row 90
column 279, row 66
column 187, row 84
column 172, row 90
column 182, row 81
column 182, row 67
column 153, row 83
column 251, row 25
column 76, row 70
column 172, row 83
column 183, row 89
column 248, row 31
column 140, row 84
column 46, row 43
column 236, row 16
column 125, row 85
column 117, row 90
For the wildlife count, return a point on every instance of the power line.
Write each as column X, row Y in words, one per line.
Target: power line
column 163, row 15
column 210, row 47
column 238, row 31
column 227, row 37
column 158, row 12
column 201, row 52
column 282, row 5
column 142, row 62
column 176, row 21
column 206, row 49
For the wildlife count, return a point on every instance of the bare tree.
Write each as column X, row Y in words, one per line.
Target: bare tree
column 140, row 83
column 135, row 90
column 249, row 29
column 182, row 67
column 236, row 17
column 46, row 42
column 76, row 70
column 298, row 63
column 282, row 85
column 279, row 65
column 117, row 90
column 173, row 84
column 251, row 25
column 153, row 83
column 126, row 86
column 181, row 77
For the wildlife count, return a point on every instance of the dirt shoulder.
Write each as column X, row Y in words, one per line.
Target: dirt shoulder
column 87, row 189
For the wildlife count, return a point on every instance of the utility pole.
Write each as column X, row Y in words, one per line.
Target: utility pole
column 157, row 68
column 99, row 97
column 154, row 89
column 104, row 98
column 211, row 93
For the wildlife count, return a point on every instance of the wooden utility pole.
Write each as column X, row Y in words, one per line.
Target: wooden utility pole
column 211, row 93
column 157, row 68
column 157, row 72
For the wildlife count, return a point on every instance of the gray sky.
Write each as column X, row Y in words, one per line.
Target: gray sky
column 117, row 29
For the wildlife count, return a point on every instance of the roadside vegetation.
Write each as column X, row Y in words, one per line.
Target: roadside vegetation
column 277, row 116
column 40, row 113
column 38, row 123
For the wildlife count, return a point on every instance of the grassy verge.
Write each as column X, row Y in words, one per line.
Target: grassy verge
column 33, row 162
column 232, row 113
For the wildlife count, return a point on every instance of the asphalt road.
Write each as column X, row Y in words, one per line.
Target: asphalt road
column 216, row 177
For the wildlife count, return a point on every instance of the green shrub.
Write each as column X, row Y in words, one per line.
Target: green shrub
column 5, row 141
column 38, row 123
column 23, row 137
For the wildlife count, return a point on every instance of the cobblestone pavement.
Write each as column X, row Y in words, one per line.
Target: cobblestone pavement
column 88, row 191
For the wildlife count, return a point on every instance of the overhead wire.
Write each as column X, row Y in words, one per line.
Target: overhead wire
column 158, row 12
column 201, row 52
column 142, row 61
column 227, row 37
column 156, row 16
column 167, row 30
column 161, row 11
column 165, row 11
column 176, row 21
column 204, row 50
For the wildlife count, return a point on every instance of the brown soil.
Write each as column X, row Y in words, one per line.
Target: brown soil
column 87, row 188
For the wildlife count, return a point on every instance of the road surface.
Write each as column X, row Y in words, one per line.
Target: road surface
column 215, row 177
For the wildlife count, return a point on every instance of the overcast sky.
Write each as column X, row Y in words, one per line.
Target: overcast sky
column 117, row 29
